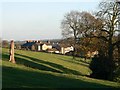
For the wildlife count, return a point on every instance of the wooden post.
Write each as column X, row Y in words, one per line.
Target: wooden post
column 12, row 59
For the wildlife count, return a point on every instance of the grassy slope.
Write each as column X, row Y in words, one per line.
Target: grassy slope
column 37, row 69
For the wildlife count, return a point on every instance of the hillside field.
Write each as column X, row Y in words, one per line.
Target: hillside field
column 46, row 70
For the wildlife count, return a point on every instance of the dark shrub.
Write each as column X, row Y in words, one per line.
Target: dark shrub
column 100, row 67
column 117, row 75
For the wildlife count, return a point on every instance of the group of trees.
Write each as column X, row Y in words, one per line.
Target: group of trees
column 98, row 31
column 6, row 44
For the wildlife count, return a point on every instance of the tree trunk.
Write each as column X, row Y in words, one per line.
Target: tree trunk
column 111, row 62
column 74, row 53
column 74, row 44
column 118, row 46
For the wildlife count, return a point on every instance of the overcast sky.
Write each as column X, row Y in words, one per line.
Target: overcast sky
column 32, row 19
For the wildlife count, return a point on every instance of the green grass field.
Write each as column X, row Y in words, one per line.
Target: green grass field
column 44, row 70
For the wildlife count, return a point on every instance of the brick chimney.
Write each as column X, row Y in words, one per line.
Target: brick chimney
column 48, row 41
column 39, row 41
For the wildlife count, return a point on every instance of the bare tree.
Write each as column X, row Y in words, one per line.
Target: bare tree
column 103, row 26
column 5, row 43
column 109, row 13
column 71, row 26
column 76, row 24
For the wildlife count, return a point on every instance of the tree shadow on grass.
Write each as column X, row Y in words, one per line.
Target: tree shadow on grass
column 33, row 64
column 71, row 61
column 30, row 64
column 60, row 67
column 83, row 61
column 22, row 78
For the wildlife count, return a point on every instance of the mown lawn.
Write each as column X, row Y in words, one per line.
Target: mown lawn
column 44, row 70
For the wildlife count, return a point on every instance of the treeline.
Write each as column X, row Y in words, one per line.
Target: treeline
column 6, row 44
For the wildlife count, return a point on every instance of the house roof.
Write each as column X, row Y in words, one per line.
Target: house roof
column 47, row 43
column 28, row 44
column 56, row 46
column 64, row 45
column 39, row 43
column 59, row 46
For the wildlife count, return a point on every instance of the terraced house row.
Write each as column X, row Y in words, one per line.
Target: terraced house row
column 46, row 46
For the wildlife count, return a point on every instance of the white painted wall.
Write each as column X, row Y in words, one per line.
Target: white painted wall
column 45, row 47
column 39, row 48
